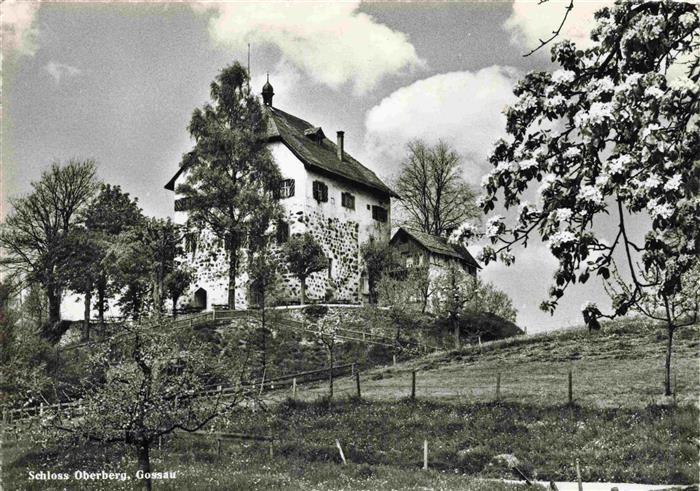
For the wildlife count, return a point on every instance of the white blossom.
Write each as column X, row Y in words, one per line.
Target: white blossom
column 673, row 183
column 663, row 210
column 563, row 214
column 572, row 152
column 465, row 231
column 655, row 92
column 554, row 101
column 485, row 180
column 616, row 166
column 559, row 238
column 591, row 194
column 493, row 226
column 528, row 164
column 687, row 19
column 563, row 76
column 652, row 182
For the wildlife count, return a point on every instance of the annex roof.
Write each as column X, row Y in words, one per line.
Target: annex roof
column 436, row 245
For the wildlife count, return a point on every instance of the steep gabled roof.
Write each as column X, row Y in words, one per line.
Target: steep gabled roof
column 309, row 144
column 319, row 153
column 436, row 245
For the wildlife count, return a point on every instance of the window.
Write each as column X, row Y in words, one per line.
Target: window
column 348, row 200
column 380, row 214
column 320, row 191
column 285, row 189
column 183, row 204
column 282, row 232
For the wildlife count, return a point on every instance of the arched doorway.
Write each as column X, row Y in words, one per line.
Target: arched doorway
column 200, row 299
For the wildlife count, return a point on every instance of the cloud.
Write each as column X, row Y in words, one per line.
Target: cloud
column 19, row 31
column 332, row 42
column 532, row 21
column 60, row 71
column 463, row 109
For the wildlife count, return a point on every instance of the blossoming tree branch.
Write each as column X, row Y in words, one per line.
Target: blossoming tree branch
column 614, row 131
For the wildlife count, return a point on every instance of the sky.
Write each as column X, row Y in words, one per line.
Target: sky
column 117, row 82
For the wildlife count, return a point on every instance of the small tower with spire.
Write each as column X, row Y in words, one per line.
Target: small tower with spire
column 267, row 92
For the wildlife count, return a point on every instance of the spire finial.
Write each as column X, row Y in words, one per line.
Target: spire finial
column 267, row 92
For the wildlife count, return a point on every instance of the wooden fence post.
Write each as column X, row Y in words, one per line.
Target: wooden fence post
column 498, row 386
column 571, row 388
column 413, row 384
column 425, row 455
column 357, row 382
column 340, row 449
column 394, row 359
column 294, row 388
column 578, row 476
column 218, row 447
column 352, row 370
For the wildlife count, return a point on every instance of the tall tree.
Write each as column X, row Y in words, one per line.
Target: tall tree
column 614, row 132
column 108, row 215
column 434, row 196
column 35, row 235
column 230, row 173
column 304, row 257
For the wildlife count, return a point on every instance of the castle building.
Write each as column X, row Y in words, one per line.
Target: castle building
column 324, row 191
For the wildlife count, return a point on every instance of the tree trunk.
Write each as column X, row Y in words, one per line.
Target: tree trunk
column 86, row 315
column 302, row 301
column 455, row 326
column 232, row 273
column 54, row 298
column 669, row 348
column 142, row 452
column 175, row 299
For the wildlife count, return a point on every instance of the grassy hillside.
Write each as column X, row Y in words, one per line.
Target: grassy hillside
column 620, row 366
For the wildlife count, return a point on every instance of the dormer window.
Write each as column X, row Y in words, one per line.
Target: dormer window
column 285, row 189
column 348, row 200
column 320, row 191
column 315, row 134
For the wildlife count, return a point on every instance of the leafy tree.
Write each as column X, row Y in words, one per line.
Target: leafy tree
column 231, row 174
column 433, row 193
column 327, row 327
column 615, row 131
column 146, row 256
column 34, row 236
column 177, row 282
column 149, row 384
column 107, row 216
column 304, row 257
column 378, row 257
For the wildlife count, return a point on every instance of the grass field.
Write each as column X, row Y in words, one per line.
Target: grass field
column 622, row 366
column 620, row 427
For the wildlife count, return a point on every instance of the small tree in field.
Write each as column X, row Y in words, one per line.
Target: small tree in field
column 452, row 294
column 326, row 328
column 231, row 174
column 615, row 131
column 149, row 385
column 304, row 256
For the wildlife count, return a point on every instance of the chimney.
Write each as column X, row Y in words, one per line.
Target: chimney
column 340, row 147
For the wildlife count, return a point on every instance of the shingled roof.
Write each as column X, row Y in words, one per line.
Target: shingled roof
column 437, row 245
column 310, row 145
